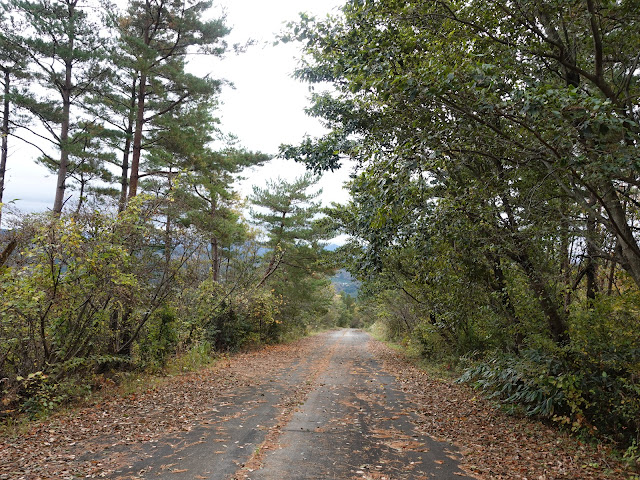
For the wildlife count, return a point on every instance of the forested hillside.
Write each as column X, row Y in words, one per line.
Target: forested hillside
column 494, row 210
column 344, row 282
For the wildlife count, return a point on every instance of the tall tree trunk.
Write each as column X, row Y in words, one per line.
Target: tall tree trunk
column 137, row 137
column 565, row 265
column 500, row 287
column 83, row 185
column 556, row 319
column 64, row 137
column 168, row 242
column 215, row 254
column 215, row 259
column 592, row 251
column 5, row 135
column 124, row 176
column 612, row 269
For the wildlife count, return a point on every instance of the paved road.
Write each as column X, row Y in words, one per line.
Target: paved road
column 334, row 414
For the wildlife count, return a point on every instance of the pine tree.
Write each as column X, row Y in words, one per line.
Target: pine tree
column 286, row 213
column 12, row 68
column 157, row 36
column 63, row 48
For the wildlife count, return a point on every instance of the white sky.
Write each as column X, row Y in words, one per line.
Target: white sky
column 265, row 109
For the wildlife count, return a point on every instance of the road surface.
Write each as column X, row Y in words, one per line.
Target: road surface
column 334, row 414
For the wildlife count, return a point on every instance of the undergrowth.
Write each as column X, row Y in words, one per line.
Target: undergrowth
column 42, row 397
column 595, row 397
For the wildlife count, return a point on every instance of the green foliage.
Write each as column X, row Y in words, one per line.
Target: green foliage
column 295, row 262
column 495, row 192
column 160, row 340
column 632, row 455
column 58, row 298
column 39, row 393
column 178, row 270
column 430, row 343
column 196, row 357
column 592, row 395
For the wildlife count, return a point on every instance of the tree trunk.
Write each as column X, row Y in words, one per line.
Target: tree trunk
column 215, row 254
column 555, row 319
column 5, row 135
column 64, row 128
column 215, row 259
column 592, row 251
column 124, row 177
column 500, row 287
column 83, row 185
column 626, row 241
column 168, row 242
column 565, row 265
column 137, row 138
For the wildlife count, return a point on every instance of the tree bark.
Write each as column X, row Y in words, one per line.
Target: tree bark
column 556, row 321
column 63, row 169
column 5, row 135
column 629, row 249
column 215, row 259
column 592, row 250
column 137, row 137
column 500, row 287
column 124, row 176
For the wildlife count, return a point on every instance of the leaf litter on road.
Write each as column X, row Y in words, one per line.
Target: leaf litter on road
column 492, row 444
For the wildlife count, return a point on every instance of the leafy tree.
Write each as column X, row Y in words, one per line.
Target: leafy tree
column 558, row 104
column 495, row 147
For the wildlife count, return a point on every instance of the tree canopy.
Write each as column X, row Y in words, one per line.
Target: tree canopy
column 496, row 178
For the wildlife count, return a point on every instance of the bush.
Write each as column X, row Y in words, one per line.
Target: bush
column 429, row 342
column 39, row 394
column 161, row 339
column 595, row 395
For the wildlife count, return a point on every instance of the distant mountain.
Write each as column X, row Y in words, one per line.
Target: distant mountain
column 344, row 282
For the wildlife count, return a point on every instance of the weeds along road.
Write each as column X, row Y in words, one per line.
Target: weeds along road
column 333, row 413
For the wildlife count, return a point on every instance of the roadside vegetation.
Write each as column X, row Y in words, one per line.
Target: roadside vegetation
column 493, row 219
column 494, row 201
column 149, row 260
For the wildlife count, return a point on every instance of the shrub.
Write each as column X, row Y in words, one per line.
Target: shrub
column 595, row 395
column 161, row 339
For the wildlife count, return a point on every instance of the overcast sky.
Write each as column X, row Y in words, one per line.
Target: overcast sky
column 265, row 109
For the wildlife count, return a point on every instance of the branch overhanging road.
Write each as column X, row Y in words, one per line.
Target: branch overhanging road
column 333, row 414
